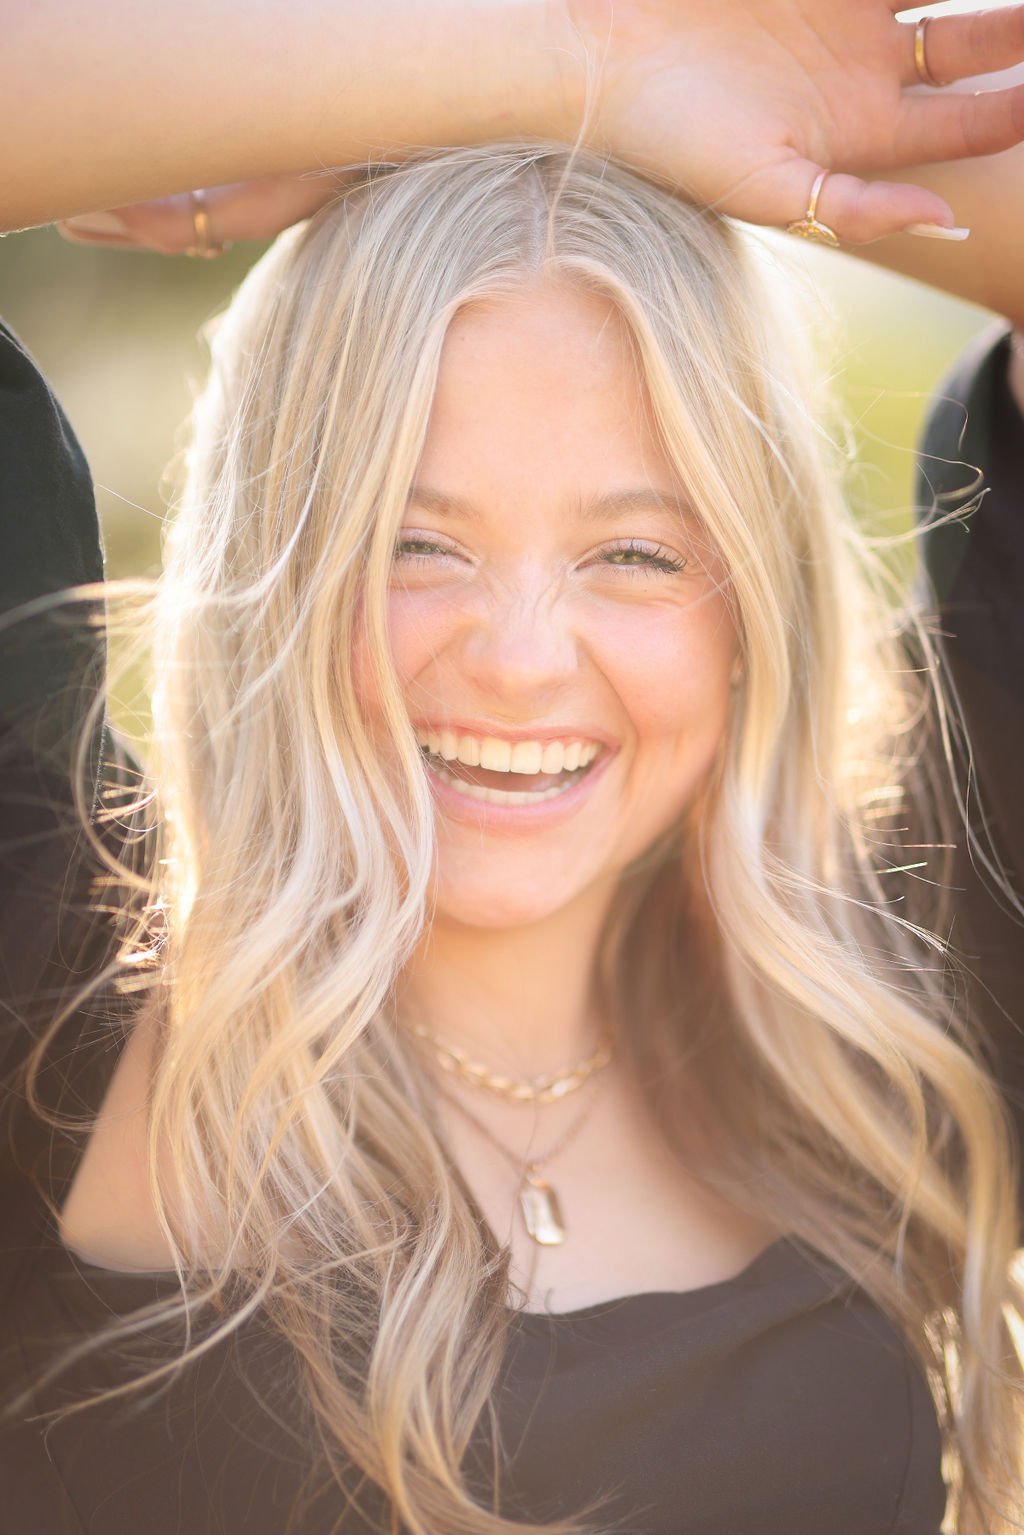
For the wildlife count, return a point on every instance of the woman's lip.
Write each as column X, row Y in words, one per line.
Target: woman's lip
column 486, row 815
column 537, row 733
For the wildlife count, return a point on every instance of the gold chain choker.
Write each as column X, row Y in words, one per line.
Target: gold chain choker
column 544, row 1089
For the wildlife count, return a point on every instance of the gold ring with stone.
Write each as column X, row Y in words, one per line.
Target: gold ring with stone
column 810, row 226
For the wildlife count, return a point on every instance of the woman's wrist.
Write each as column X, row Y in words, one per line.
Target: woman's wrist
column 528, row 79
column 465, row 72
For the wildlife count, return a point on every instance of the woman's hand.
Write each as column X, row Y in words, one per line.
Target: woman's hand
column 739, row 103
column 242, row 210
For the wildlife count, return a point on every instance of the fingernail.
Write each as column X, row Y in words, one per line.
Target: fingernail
column 98, row 224
column 936, row 232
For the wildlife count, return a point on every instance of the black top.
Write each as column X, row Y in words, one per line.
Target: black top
column 778, row 1402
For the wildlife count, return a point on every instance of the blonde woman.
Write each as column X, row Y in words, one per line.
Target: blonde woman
column 514, row 1076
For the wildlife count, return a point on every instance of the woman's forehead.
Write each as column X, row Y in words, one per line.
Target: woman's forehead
column 543, row 384
column 544, row 326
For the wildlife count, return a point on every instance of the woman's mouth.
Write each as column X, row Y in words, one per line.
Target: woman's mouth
column 503, row 788
column 500, row 773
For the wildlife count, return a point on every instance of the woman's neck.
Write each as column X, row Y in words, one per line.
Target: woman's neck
column 521, row 1000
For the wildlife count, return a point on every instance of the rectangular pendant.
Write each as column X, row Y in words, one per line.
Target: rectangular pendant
column 542, row 1213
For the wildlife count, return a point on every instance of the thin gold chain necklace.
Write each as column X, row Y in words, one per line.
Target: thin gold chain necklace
column 539, row 1204
column 543, row 1089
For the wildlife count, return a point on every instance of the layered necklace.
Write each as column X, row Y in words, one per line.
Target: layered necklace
column 539, row 1204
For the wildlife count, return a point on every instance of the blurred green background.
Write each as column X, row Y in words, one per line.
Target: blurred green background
column 117, row 334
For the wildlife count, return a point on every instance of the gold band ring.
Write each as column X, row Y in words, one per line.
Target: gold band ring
column 810, row 226
column 204, row 246
column 924, row 74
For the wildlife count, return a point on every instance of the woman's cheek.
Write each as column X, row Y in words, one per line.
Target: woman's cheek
column 419, row 627
column 669, row 665
column 412, row 641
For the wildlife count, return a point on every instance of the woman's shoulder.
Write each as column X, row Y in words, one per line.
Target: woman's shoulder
column 107, row 1213
column 51, row 673
column 50, row 668
column 971, row 463
column 108, row 1217
column 49, row 529
column 970, row 460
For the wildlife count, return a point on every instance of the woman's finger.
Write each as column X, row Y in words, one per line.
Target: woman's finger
column 947, row 125
column 957, row 47
column 248, row 210
column 856, row 211
column 94, row 234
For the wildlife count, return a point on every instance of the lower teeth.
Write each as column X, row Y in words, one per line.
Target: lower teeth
column 502, row 796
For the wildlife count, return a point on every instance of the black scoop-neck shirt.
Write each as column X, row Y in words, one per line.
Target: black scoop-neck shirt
column 776, row 1402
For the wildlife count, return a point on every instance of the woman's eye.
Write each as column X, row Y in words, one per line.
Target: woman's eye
column 642, row 558
column 418, row 549
column 637, row 557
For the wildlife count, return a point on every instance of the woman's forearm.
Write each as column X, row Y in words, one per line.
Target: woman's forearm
column 988, row 268
column 987, row 195
column 119, row 102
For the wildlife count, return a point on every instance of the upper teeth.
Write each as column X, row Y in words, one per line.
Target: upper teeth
column 507, row 756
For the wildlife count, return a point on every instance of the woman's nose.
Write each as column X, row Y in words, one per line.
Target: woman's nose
column 520, row 644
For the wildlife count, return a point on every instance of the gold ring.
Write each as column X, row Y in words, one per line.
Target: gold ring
column 810, row 226
column 204, row 246
column 924, row 74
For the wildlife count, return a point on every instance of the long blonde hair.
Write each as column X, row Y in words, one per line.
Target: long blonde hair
column 830, row 1085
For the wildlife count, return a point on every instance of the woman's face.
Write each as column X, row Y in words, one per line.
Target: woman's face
column 550, row 589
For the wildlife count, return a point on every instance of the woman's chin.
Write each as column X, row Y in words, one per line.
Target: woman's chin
column 498, row 909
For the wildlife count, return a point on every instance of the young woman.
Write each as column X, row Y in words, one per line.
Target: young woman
column 549, row 1101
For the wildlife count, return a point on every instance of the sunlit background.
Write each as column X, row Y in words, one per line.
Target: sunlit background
column 117, row 334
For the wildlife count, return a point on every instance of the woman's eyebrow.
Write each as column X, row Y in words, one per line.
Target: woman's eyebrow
column 592, row 509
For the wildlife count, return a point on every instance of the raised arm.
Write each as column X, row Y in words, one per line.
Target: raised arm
column 122, row 102
column 737, row 105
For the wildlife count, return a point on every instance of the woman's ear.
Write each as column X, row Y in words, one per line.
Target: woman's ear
column 738, row 673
